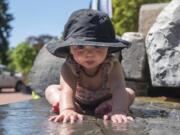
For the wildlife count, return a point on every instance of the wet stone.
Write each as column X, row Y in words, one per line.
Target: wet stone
column 31, row 118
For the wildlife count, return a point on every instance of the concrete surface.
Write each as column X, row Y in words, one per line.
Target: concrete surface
column 152, row 117
column 10, row 96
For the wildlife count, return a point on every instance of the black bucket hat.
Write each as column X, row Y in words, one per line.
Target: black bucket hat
column 87, row 27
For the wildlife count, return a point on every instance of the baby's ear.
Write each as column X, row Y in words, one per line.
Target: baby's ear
column 69, row 51
column 70, row 55
column 120, row 56
column 108, row 52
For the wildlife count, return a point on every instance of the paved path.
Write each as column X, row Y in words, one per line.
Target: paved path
column 10, row 96
column 31, row 118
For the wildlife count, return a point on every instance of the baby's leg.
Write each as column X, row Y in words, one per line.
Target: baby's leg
column 131, row 95
column 52, row 94
column 106, row 106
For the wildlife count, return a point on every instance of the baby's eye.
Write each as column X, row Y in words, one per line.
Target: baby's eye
column 97, row 47
column 80, row 47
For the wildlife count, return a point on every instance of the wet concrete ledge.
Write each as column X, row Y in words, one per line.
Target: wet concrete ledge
column 31, row 118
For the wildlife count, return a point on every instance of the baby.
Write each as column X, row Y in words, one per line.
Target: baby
column 91, row 78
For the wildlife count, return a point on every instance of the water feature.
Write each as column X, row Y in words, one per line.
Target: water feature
column 31, row 117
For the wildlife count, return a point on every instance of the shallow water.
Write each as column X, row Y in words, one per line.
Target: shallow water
column 31, row 118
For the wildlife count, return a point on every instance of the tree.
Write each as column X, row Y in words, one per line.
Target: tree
column 5, row 28
column 40, row 41
column 125, row 14
column 22, row 57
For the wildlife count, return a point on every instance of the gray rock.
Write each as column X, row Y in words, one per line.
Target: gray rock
column 45, row 71
column 134, row 58
column 163, row 47
column 148, row 14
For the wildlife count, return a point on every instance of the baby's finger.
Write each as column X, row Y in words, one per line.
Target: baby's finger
column 106, row 123
column 106, row 117
column 59, row 118
column 80, row 117
column 129, row 118
column 73, row 119
column 66, row 119
column 123, row 119
column 51, row 118
column 115, row 120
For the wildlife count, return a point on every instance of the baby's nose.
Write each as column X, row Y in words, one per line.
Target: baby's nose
column 89, row 49
column 89, row 52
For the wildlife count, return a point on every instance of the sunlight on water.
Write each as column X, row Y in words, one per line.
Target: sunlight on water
column 32, row 118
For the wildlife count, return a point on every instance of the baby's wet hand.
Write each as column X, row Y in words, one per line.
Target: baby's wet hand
column 118, row 118
column 67, row 116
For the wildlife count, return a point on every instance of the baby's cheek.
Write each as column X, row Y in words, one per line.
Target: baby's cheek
column 78, row 60
column 79, row 53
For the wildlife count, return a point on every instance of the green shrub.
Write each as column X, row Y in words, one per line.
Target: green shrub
column 22, row 57
column 125, row 14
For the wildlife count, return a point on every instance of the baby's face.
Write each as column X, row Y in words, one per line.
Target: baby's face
column 89, row 57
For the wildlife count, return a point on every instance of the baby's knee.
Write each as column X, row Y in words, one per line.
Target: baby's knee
column 131, row 95
column 130, row 91
column 52, row 89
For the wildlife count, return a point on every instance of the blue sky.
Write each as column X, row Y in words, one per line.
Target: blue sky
column 37, row 17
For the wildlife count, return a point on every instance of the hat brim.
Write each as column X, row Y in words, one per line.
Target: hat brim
column 60, row 48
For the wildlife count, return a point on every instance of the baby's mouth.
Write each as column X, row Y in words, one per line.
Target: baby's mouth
column 90, row 62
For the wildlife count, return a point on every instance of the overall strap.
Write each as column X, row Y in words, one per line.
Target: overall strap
column 104, row 75
column 107, row 67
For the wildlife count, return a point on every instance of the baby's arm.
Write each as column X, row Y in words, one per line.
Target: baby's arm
column 119, row 96
column 67, row 104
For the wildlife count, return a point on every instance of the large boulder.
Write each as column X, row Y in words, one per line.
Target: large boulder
column 135, row 64
column 148, row 14
column 163, row 47
column 136, row 56
column 45, row 71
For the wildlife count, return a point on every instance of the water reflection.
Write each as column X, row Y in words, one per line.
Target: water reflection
column 22, row 118
column 3, row 115
column 31, row 118
column 174, row 114
column 137, row 127
column 116, row 126
column 66, row 129
column 80, row 128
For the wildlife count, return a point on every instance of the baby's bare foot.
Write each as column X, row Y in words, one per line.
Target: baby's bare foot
column 55, row 108
column 104, row 108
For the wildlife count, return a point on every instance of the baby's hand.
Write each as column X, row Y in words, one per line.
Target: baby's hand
column 67, row 116
column 118, row 118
